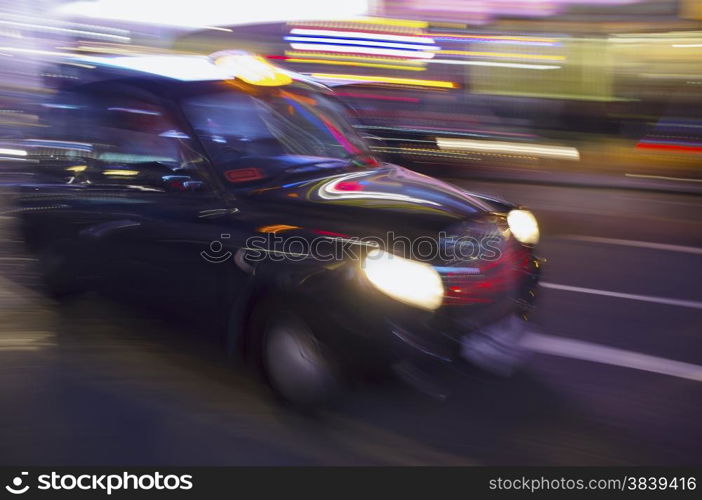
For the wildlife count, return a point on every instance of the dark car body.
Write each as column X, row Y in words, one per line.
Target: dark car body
column 169, row 219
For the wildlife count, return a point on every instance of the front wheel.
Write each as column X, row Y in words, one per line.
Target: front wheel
column 296, row 364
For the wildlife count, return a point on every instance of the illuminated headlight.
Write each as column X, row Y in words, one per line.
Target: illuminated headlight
column 523, row 226
column 408, row 281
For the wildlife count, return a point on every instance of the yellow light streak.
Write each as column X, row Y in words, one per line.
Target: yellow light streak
column 386, row 79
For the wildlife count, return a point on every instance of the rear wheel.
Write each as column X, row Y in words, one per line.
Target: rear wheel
column 296, row 364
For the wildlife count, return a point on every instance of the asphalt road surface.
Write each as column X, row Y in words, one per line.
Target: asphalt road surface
column 615, row 378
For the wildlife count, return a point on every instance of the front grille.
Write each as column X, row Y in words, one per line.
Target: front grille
column 489, row 280
column 489, row 276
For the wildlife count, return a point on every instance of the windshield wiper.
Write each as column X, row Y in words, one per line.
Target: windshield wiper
column 351, row 159
column 363, row 158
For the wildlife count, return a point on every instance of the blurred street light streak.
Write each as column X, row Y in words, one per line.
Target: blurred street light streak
column 670, row 123
column 508, row 55
column 121, row 173
column 55, row 144
column 670, row 146
column 348, row 57
column 416, row 39
column 564, row 152
column 377, row 96
column 206, row 14
column 426, row 152
column 78, row 65
column 450, row 154
column 386, row 62
column 362, row 43
column 500, row 42
column 77, row 168
column 409, row 54
column 13, row 152
column 495, row 64
column 351, row 25
column 427, row 130
column 493, row 37
column 276, row 228
column 404, row 23
column 353, row 63
column 12, row 158
column 194, row 68
column 37, row 52
column 386, row 79
column 47, row 28
column 104, row 49
column 405, row 139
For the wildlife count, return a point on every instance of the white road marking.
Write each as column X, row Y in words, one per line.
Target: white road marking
column 633, row 243
column 664, row 177
column 586, row 351
column 644, row 298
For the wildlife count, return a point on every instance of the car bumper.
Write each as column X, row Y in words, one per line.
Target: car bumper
column 369, row 328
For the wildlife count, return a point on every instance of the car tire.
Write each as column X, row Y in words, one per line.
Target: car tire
column 296, row 365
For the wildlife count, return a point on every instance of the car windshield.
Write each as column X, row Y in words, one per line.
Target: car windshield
column 295, row 128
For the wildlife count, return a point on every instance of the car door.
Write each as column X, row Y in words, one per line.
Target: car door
column 164, row 211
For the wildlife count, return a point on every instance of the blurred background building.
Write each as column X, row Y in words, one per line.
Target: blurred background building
column 564, row 90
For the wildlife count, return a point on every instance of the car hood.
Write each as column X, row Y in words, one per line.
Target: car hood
column 388, row 189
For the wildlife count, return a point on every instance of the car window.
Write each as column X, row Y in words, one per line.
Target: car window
column 67, row 128
column 279, row 123
column 133, row 130
column 123, row 133
column 120, row 127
